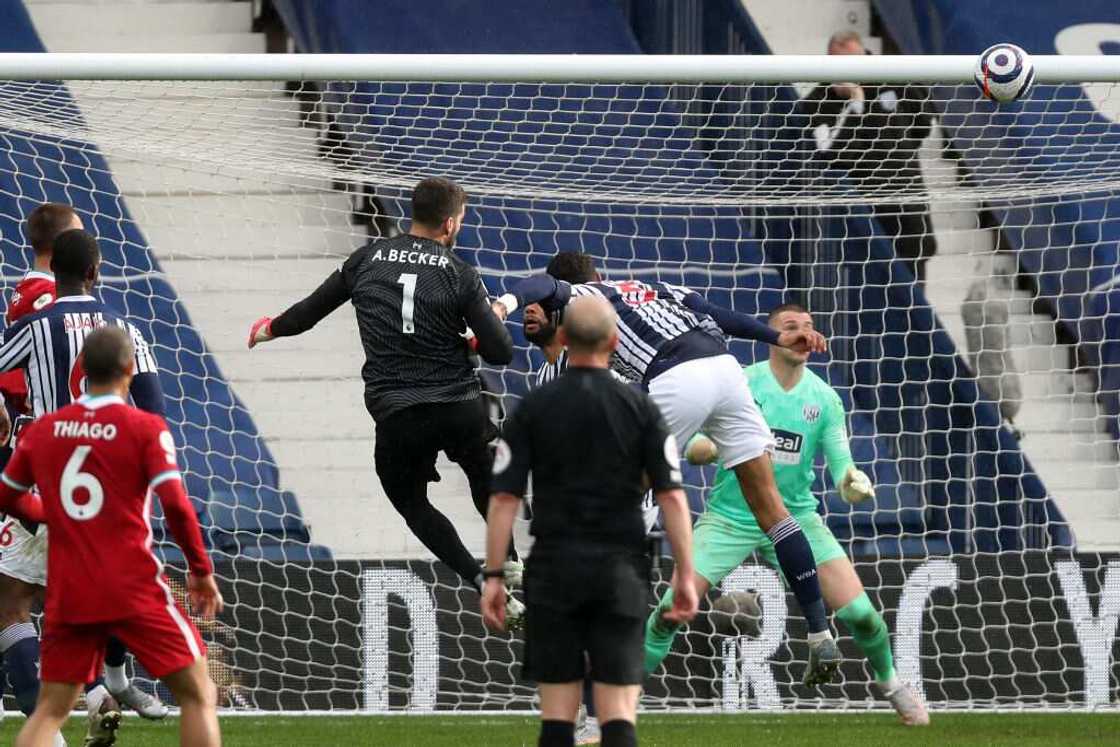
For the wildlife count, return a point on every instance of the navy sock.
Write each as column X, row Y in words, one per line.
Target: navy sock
column 95, row 684
column 20, row 645
column 618, row 733
column 115, row 653
column 589, row 696
column 796, row 559
column 557, row 734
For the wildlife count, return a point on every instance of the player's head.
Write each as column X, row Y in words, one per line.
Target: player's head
column 46, row 222
column 573, row 267
column 107, row 359
column 846, row 42
column 75, row 261
column 540, row 326
column 438, row 207
column 789, row 317
column 590, row 329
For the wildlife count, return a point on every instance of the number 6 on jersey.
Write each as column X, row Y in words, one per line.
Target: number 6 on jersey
column 72, row 479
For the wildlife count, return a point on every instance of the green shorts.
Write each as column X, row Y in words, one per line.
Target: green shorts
column 721, row 545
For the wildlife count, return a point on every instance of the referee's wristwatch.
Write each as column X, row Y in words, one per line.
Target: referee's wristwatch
column 490, row 573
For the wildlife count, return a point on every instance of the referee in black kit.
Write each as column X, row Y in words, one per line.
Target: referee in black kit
column 591, row 444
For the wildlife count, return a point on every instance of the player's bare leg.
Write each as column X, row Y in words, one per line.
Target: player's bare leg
column 197, row 697
column 795, row 556
column 844, row 592
column 559, row 706
column 19, row 641
column 617, row 706
column 56, row 700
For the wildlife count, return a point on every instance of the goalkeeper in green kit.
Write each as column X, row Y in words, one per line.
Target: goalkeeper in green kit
column 806, row 416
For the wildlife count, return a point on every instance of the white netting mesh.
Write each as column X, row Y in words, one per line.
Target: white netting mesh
column 219, row 202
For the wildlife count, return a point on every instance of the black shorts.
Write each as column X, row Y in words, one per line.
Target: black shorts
column 409, row 440
column 581, row 611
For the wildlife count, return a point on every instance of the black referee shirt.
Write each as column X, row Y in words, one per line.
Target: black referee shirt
column 413, row 299
column 587, row 439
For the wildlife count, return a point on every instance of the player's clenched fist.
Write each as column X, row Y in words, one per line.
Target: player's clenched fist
column 206, row 599
column 856, row 487
column 494, row 605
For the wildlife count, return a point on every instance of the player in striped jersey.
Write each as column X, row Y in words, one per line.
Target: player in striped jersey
column 47, row 346
column 672, row 340
column 35, row 291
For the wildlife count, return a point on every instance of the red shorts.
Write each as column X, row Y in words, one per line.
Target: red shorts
column 163, row 640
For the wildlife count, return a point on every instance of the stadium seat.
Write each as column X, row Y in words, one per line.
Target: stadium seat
column 240, row 514
column 284, row 551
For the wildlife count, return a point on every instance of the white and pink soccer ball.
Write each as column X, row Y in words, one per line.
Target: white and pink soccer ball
column 1004, row 73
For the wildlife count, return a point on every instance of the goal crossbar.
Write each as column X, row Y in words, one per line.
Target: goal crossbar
column 543, row 68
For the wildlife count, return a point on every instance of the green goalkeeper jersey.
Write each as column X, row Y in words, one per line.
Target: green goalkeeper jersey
column 805, row 420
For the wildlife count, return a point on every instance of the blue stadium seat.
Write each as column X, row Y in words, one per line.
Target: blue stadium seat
column 241, row 513
column 285, row 551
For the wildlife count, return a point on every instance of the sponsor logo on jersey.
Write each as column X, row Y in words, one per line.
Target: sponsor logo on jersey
column 787, row 447
column 42, row 301
column 811, row 413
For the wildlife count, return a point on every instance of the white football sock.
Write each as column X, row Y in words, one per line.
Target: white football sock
column 116, row 679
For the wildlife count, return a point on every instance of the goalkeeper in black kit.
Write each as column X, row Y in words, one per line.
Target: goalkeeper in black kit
column 414, row 300
column 591, row 444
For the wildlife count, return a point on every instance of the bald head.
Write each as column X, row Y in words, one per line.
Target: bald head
column 590, row 326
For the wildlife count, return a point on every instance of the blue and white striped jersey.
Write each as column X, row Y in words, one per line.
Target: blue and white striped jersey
column 650, row 315
column 48, row 344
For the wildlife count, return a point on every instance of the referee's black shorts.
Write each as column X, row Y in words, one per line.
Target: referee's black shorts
column 585, row 609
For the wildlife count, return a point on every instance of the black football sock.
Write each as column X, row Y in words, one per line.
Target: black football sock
column 618, row 733
column 557, row 734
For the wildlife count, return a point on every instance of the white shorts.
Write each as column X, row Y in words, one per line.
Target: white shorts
column 712, row 395
column 23, row 556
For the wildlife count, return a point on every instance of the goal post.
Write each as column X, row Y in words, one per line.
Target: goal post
column 960, row 256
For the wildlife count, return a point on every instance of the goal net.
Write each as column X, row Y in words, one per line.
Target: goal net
column 959, row 255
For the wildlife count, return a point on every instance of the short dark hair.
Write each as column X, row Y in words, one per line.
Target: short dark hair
column 75, row 254
column 573, row 267
column 436, row 199
column 106, row 355
column 795, row 307
column 46, row 222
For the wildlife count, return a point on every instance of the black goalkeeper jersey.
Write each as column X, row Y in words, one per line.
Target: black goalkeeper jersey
column 413, row 299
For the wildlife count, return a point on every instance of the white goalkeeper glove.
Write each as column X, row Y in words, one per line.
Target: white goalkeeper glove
column 856, row 487
column 700, row 450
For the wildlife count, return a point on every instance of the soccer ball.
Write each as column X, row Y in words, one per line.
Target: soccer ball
column 737, row 613
column 1004, row 73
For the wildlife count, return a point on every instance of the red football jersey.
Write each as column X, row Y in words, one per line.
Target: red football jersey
column 95, row 464
column 34, row 293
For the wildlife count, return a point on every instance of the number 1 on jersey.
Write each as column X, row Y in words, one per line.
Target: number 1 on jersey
column 408, row 305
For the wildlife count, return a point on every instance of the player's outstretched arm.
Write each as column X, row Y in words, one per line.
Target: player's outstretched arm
column 499, row 528
column 544, row 289
column 747, row 327
column 303, row 315
column 678, row 529
column 491, row 339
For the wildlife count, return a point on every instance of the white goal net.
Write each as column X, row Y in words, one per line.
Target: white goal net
column 959, row 255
